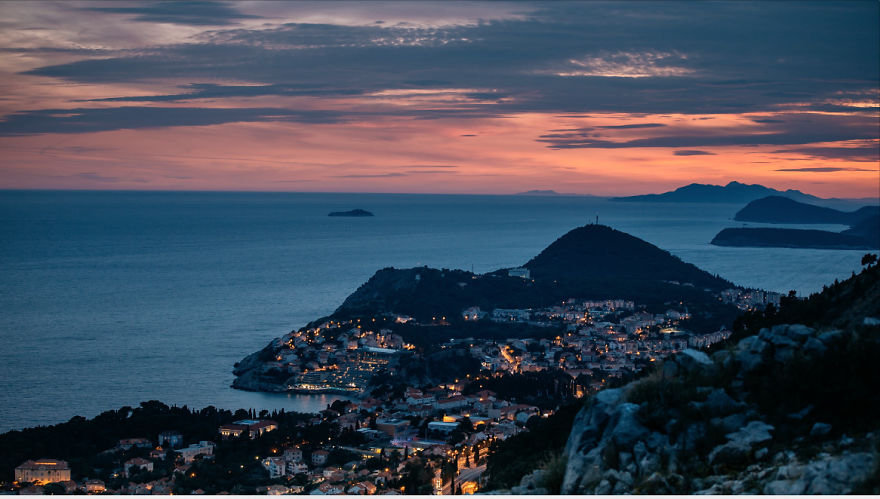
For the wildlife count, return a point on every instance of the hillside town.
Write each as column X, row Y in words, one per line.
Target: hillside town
column 433, row 437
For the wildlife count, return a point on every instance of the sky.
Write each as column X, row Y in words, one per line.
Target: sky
column 602, row 98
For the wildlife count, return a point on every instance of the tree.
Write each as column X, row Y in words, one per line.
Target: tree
column 869, row 259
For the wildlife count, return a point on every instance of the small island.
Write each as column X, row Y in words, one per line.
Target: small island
column 353, row 213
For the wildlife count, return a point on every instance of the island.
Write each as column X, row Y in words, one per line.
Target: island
column 792, row 238
column 783, row 210
column 538, row 192
column 864, row 231
column 353, row 213
column 733, row 192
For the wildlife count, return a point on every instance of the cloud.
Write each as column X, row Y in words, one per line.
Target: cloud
column 106, row 119
column 693, row 152
column 870, row 153
column 823, row 169
column 797, row 129
column 628, row 65
column 197, row 13
column 371, row 175
column 636, row 125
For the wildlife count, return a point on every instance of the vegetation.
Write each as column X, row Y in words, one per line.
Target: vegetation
column 511, row 459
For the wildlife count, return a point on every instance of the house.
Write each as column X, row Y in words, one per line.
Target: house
column 158, row 454
column 95, row 486
column 42, row 471
column 293, row 454
column 296, row 468
column 173, row 439
column 391, row 426
column 328, row 488
column 203, row 448
column 276, row 466
column 520, row 272
column 252, row 427
column 128, row 443
column 134, row 465
column 277, row 490
column 319, row 457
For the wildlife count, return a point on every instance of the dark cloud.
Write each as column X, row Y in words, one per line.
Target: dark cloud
column 823, row 169
column 214, row 91
column 197, row 13
column 797, row 129
column 869, row 153
column 692, row 152
column 371, row 175
column 636, row 125
column 739, row 57
column 101, row 120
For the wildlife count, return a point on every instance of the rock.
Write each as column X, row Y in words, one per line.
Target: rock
column 784, row 353
column 733, row 422
column 755, row 432
column 649, row 464
column 801, row 414
column 603, row 489
column 784, row 487
column 762, row 453
column 719, row 403
column 732, row 453
column 831, row 337
column 626, row 428
column 820, row 430
column 693, row 360
column 782, row 341
column 815, row 347
column 799, row 332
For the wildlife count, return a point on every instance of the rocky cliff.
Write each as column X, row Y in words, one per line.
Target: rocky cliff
column 786, row 409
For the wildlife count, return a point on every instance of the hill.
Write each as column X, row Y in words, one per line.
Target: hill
column 784, row 408
column 733, row 192
column 780, row 209
column 591, row 261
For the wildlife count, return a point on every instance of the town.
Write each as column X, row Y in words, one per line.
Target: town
column 399, row 437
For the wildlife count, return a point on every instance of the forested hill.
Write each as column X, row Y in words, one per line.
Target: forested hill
column 594, row 262
column 779, row 209
column 599, row 253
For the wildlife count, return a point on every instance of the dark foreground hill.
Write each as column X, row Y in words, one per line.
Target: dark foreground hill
column 783, row 210
column 788, row 406
column 593, row 261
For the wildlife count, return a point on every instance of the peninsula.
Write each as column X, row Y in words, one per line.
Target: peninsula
column 557, row 313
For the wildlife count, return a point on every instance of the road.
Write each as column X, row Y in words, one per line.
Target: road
column 464, row 475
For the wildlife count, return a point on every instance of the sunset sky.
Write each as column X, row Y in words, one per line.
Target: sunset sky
column 447, row 97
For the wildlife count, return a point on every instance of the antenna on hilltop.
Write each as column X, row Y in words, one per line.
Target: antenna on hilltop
column 597, row 218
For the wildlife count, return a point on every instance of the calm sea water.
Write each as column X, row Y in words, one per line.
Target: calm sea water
column 112, row 298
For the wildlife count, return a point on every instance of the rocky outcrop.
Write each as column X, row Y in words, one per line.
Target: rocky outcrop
column 692, row 427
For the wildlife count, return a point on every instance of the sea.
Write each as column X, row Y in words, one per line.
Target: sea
column 108, row 299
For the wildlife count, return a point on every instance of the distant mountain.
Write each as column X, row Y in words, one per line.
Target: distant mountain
column 590, row 261
column 799, row 238
column 353, row 213
column 779, row 209
column 734, row 192
column 538, row 192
